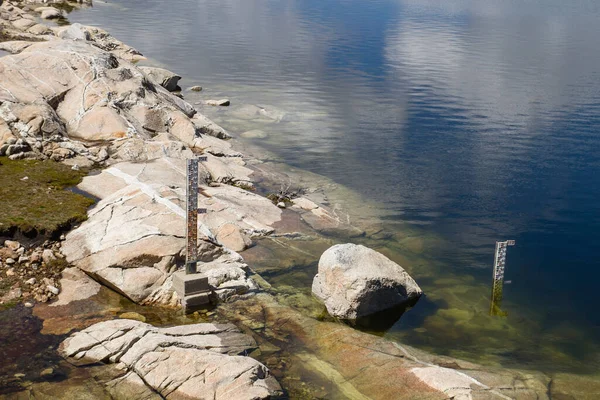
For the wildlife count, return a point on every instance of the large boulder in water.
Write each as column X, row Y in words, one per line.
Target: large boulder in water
column 354, row 281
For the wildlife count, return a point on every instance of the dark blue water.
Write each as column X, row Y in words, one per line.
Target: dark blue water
column 469, row 121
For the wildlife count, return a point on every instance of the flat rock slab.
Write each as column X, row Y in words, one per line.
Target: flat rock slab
column 190, row 361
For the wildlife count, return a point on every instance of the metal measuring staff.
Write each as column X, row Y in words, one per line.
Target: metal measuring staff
column 191, row 198
column 498, row 277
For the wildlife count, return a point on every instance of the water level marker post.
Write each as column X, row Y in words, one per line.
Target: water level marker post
column 498, row 276
column 192, row 287
column 191, row 198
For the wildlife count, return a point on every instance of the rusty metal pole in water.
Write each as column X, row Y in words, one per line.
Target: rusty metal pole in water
column 498, row 277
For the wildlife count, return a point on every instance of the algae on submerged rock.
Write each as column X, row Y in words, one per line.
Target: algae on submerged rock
column 33, row 198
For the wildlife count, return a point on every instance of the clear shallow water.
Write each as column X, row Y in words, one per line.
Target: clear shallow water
column 469, row 122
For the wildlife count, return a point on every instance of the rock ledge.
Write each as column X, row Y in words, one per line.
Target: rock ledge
column 189, row 361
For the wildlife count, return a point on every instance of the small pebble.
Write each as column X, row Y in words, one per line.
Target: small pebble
column 28, row 304
column 281, row 204
column 31, row 281
column 221, row 102
column 53, row 289
column 9, row 261
column 12, row 244
column 196, row 88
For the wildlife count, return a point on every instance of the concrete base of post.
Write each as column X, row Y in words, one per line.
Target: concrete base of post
column 192, row 289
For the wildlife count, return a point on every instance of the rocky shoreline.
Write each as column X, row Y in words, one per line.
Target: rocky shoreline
column 74, row 94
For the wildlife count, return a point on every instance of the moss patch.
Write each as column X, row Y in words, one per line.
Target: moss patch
column 39, row 204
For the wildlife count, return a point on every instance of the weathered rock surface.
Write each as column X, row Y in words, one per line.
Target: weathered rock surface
column 354, row 281
column 364, row 366
column 135, row 236
column 162, row 77
column 70, row 98
column 76, row 285
column 191, row 361
column 232, row 236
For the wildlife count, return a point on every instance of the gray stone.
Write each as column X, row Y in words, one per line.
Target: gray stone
column 354, row 281
column 23, row 23
column 221, row 102
column 196, row 88
column 163, row 77
column 12, row 244
column 53, row 289
column 48, row 256
column 51, row 13
column 39, row 29
column 75, row 32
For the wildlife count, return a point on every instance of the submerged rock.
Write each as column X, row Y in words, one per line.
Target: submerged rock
column 221, row 102
column 365, row 366
column 254, row 134
column 192, row 361
column 354, row 281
